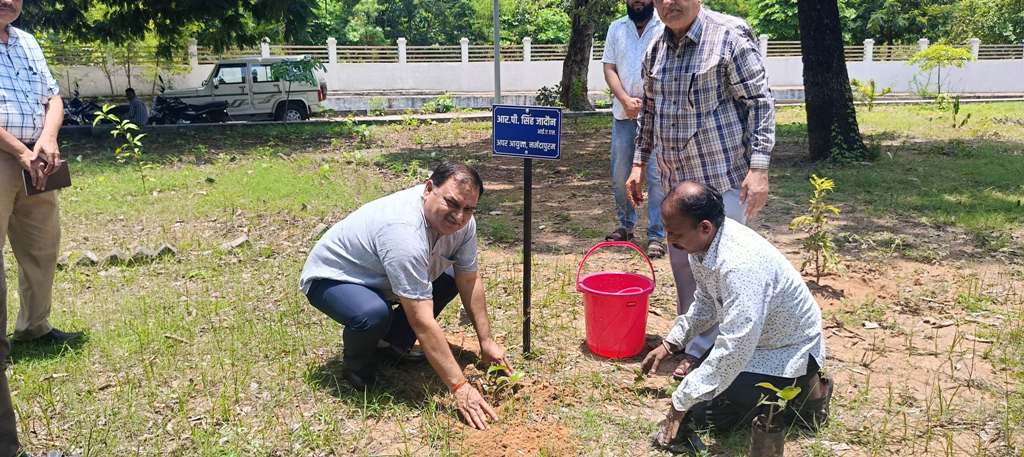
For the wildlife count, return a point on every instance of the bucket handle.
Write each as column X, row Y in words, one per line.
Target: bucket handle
column 605, row 244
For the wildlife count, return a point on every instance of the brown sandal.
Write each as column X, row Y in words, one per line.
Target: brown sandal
column 656, row 249
column 685, row 366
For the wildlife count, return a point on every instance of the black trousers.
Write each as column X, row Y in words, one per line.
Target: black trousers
column 737, row 406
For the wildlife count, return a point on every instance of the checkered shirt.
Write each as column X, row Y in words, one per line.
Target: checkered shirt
column 25, row 86
column 708, row 114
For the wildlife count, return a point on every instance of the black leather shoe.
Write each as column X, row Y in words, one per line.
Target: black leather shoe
column 398, row 355
column 57, row 336
column 359, row 381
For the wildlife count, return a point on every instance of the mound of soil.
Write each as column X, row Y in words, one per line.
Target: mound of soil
column 523, row 427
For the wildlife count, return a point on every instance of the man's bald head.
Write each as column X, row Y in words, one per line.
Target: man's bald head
column 695, row 201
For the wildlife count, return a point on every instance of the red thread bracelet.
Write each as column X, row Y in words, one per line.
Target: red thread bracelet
column 457, row 386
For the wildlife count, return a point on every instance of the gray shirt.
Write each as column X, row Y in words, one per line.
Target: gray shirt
column 387, row 245
column 768, row 320
column 137, row 112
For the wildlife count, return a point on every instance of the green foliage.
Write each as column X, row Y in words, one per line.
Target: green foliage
column 955, row 111
column 778, row 19
column 738, row 8
column 868, row 92
column 545, row 21
column 219, row 24
column 500, row 382
column 131, row 148
column 443, row 103
column 427, row 22
column 819, row 246
column 784, row 395
column 940, row 56
column 549, row 96
column 297, row 70
column 375, row 106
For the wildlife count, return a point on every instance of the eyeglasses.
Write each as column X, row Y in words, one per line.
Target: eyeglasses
column 455, row 207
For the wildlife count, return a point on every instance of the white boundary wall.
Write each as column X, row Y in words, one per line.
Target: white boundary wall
column 983, row 76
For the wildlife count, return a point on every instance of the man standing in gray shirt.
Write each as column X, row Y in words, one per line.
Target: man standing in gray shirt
column 416, row 248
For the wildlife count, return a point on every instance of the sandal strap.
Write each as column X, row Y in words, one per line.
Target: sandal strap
column 620, row 234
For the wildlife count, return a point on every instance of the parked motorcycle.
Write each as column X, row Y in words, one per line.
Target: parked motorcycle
column 79, row 112
column 171, row 110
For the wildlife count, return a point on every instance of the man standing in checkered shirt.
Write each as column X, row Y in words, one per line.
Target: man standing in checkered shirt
column 707, row 115
column 30, row 117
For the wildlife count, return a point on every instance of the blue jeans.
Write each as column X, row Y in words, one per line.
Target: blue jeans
column 623, row 147
column 369, row 318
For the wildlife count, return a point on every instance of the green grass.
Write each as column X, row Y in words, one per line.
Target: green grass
column 967, row 178
column 216, row 353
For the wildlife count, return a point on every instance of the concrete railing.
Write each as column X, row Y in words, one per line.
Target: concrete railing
column 330, row 52
column 528, row 66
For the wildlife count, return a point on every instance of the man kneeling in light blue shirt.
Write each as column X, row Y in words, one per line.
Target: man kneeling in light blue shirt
column 769, row 324
column 416, row 248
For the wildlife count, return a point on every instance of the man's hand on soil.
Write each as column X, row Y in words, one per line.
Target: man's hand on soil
column 673, row 420
column 654, row 358
column 494, row 354
column 473, row 408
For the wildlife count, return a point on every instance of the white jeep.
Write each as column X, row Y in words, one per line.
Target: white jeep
column 251, row 92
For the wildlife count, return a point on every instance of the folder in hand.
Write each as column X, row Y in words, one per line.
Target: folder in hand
column 60, row 178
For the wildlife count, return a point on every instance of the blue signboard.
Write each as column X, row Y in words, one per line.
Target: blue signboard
column 530, row 132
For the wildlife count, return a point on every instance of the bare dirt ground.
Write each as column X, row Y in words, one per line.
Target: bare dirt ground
column 913, row 368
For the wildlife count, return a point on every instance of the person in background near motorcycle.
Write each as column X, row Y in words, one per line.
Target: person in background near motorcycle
column 30, row 119
column 137, row 112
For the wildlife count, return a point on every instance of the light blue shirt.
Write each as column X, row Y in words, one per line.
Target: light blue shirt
column 768, row 321
column 625, row 48
column 26, row 86
column 387, row 245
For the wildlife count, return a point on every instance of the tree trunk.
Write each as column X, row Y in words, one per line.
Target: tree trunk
column 577, row 58
column 832, row 129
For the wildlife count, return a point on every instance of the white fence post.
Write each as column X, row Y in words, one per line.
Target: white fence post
column 922, row 43
column 528, row 47
column 401, row 50
column 762, row 45
column 869, row 50
column 464, row 43
column 193, row 53
column 265, row 47
column 332, row 50
column 975, row 47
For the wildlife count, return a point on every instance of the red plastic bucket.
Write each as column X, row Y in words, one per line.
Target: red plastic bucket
column 615, row 304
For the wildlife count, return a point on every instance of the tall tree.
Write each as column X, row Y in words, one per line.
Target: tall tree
column 832, row 129
column 584, row 15
column 220, row 24
column 427, row 22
